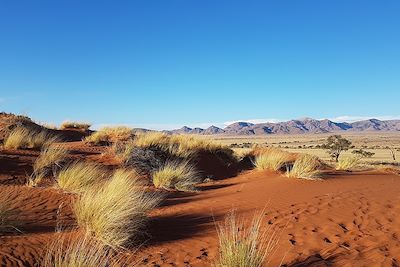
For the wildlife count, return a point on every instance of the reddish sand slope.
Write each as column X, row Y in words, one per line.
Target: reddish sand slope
column 347, row 220
column 350, row 219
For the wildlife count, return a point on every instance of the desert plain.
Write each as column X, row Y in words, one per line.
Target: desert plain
column 340, row 217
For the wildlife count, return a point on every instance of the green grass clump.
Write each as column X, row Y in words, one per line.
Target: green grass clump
column 176, row 175
column 116, row 211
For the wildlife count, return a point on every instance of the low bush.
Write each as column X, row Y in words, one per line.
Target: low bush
column 82, row 126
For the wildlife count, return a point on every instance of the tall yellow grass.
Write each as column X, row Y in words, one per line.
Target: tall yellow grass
column 347, row 163
column 178, row 175
column 179, row 145
column 8, row 218
column 82, row 252
column 79, row 176
column 305, row 167
column 272, row 159
column 245, row 246
column 22, row 138
column 50, row 159
column 110, row 135
column 115, row 211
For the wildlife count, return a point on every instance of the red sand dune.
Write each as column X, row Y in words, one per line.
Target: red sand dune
column 350, row 219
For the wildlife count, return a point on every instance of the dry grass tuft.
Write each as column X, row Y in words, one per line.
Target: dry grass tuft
column 109, row 135
column 272, row 159
column 83, row 252
column 242, row 246
column 176, row 175
column 79, row 176
column 305, row 167
column 115, row 212
column 23, row 137
column 183, row 146
column 82, row 126
column 348, row 163
column 49, row 161
column 8, row 214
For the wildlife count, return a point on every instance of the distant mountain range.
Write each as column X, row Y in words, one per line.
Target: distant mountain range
column 302, row 126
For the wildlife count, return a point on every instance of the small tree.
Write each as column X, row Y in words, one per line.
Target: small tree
column 362, row 153
column 335, row 145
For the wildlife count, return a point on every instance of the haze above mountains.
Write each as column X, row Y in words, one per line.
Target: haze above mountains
column 303, row 126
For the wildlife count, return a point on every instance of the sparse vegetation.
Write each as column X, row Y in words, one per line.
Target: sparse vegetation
column 305, row 167
column 79, row 176
column 145, row 160
column 50, row 160
column 178, row 175
column 82, row 252
column 393, row 153
column 82, row 126
column 244, row 246
column 116, row 211
column 183, row 146
column 335, row 145
column 23, row 137
column 108, row 135
column 363, row 153
column 271, row 159
column 348, row 163
column 8, row 220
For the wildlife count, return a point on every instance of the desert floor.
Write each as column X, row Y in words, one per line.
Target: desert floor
column 348, row 219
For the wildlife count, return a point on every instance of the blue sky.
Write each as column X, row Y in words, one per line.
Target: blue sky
column 164, row 64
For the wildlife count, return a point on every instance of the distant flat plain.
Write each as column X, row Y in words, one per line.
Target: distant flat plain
column 377, row 143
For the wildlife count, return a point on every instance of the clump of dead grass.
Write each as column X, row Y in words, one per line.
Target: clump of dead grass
column 116, row 211
column 108, row 135
column 272, row 159
column 79, row 176
column 8, row 215
column 306, row 167
column 82, row 126
column 23, row 138
column 245, row 246
column 183, row 146
column 82, row 252
column 176, row 175
column 50, row 160
column 347, row 163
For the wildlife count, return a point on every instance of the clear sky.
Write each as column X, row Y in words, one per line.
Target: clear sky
column 167, row 63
